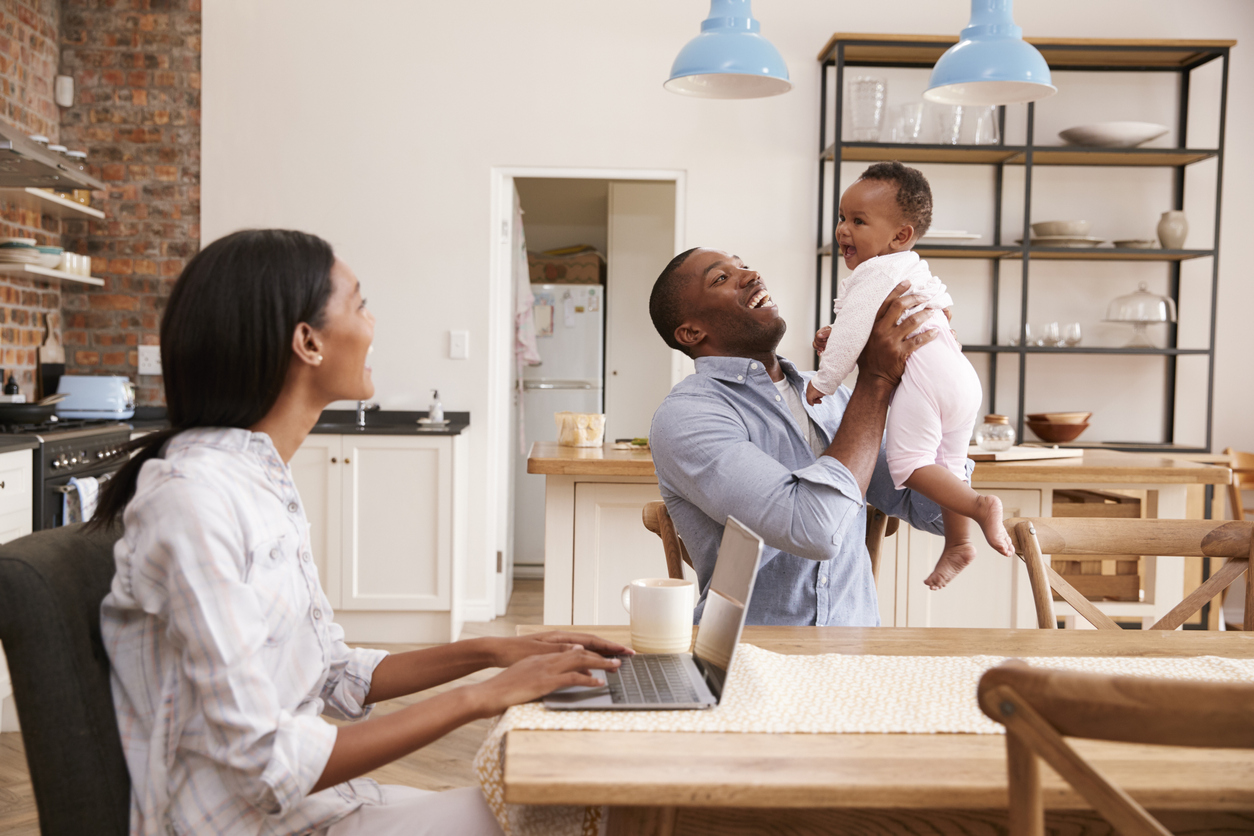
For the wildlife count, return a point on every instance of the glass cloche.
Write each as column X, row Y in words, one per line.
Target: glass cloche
column 1141, row 309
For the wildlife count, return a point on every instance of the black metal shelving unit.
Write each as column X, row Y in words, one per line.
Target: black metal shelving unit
column 921, row 52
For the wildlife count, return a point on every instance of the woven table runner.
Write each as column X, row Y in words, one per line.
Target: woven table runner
column 827, row 694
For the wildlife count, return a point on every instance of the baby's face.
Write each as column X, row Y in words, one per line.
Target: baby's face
column 870, row 222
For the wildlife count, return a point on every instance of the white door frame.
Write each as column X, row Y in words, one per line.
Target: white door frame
column 501, row 329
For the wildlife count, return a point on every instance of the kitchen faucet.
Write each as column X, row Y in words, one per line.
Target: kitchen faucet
column 362, row 408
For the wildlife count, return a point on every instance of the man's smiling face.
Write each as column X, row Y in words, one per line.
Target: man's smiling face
column 730, row 306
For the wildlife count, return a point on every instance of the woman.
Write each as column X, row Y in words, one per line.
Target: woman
column 221, row 641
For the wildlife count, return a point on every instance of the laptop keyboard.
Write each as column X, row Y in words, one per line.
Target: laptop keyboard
column 651, row 678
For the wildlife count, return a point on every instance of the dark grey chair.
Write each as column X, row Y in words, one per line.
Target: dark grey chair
column 51, row 585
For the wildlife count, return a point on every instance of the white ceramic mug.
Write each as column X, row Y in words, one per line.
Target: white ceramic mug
column 661, row 614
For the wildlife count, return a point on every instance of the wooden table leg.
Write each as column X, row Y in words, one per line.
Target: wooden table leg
column 640, row 821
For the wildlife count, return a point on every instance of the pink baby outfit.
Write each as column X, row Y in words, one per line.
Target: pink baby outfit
column 934, row 409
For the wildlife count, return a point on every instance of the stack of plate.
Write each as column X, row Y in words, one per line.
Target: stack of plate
column 18, row 251
column 1062, row 234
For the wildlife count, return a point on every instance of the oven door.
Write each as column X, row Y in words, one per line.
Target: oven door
column 56, row 487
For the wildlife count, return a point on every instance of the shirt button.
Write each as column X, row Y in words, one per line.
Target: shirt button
column 274, row 553
column 753, row 365
column 306, row 557
column 740, row 377
column 317, row 614
column 293, row 507
column 778, row 398
column 822, row 581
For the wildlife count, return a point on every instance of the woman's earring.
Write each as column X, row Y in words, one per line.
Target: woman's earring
column 318, row 360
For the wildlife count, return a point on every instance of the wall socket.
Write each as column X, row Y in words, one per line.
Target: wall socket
column 150, row 359
column 458, row 345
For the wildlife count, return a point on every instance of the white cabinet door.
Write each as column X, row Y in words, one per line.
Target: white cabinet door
column 317, row 470
column 16, row 499
column 991, row 592
column 397, row 523
column 612, row 548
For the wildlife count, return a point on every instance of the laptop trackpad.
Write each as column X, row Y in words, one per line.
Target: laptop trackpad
column 581, row 696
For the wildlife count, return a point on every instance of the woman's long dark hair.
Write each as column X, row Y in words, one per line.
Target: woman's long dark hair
column 226, row 338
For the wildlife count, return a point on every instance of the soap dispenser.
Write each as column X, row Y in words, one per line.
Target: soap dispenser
column 435, row 413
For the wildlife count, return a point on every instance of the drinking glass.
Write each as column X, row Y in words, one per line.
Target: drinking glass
column 906, row 123
column 948, row 121
column 867, row 97
column 1071, row 334
column 981, row 122
column 1051, row 334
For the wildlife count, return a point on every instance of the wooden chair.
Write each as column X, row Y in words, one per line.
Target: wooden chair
column 658, row 520
column 1242, row 480
column 1039, row 707
column 1035, row 538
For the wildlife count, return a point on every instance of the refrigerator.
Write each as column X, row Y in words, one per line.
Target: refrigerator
column 570, row 337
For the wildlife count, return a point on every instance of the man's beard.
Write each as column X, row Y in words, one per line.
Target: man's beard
column 745, row 335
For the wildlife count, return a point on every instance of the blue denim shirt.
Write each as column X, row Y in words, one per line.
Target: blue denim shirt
column 725, row 443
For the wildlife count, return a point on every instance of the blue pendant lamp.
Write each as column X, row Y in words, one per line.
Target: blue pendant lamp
column 991, row 64
column 729, row 59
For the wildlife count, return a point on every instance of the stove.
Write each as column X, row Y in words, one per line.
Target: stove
column 74, row 448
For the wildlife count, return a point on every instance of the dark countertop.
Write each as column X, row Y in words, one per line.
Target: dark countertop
column 337, row 422
column 10, row 443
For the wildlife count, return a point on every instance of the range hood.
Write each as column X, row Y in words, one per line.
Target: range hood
column 25, row 163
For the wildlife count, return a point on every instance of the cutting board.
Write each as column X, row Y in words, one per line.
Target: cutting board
column 1023, row 454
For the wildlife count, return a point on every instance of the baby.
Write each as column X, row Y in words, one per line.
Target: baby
column 933, row 412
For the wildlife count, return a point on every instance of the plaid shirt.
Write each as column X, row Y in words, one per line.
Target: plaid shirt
column 223, row 649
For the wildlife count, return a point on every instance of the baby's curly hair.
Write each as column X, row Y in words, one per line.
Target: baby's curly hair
column 914, row 195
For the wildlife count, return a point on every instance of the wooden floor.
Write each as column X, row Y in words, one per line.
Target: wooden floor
column 442, row 765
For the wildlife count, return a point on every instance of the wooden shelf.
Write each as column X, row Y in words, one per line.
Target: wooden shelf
column 1049, row 253
column 1050, row 155
column 49, row 203
column 35, row 271
column 1060, row 53
column 1108, row 254
column 1081, row 349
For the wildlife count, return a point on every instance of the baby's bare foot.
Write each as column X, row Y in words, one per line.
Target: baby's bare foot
column 952, row 561
column 989, row 517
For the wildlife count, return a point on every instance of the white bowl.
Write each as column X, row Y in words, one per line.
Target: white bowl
column 1113, row 134
column 1071, row 229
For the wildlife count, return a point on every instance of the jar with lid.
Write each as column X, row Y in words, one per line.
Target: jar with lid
column 995, row 434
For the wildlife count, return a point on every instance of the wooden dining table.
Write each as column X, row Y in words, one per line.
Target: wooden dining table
column 734, row 783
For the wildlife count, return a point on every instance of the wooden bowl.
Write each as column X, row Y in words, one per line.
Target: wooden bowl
column 1060, row 417
column 1056, row 433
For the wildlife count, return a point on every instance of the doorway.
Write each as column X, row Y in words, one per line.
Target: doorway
column 635, row 220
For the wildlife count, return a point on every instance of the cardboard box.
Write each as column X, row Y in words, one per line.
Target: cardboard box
column 580, row 268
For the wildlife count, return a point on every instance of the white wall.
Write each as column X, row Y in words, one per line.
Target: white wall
column 379, row 132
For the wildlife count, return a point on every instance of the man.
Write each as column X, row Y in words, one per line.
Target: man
column 737, row 438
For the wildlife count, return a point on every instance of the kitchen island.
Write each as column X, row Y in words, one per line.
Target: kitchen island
column 595, row 542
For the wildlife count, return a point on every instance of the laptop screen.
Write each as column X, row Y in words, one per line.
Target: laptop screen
column 727, row 601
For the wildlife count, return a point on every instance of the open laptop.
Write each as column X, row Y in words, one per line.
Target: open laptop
column 682, row 680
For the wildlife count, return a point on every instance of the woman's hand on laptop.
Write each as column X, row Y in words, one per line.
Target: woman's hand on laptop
column 538, row 675
column 507, row 651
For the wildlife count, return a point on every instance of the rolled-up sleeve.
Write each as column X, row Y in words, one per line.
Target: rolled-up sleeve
column 352, row 670
column 195, row 576
column 704, row 454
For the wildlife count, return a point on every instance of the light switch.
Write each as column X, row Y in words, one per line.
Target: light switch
column 150, row 359
column 458, row 345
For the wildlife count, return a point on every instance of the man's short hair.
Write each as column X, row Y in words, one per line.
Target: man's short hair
column 666, row 301
column 914, row 195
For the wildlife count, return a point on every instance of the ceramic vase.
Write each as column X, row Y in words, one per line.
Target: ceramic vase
column 1172, row 230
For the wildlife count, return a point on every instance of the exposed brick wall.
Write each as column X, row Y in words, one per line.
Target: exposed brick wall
column 28, row 67
column 136, row 67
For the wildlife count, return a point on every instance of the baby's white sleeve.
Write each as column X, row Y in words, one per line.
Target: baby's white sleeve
column 852, row 328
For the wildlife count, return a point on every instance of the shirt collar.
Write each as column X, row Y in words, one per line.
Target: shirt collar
column 740, row 369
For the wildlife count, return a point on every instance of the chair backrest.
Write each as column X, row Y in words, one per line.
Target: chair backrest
column 51, row 586
column 1242, row 480
column 1037, row 537
column 658, row 520
column 1039, row 706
